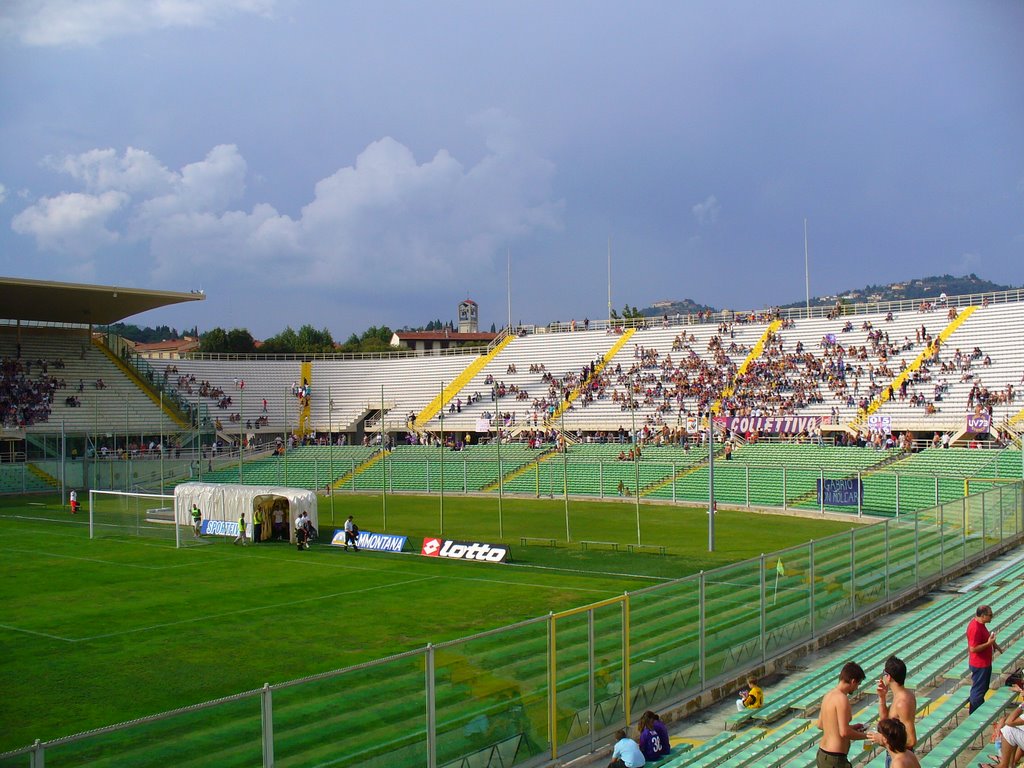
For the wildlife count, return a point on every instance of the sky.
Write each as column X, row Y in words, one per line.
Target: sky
column 352, row 164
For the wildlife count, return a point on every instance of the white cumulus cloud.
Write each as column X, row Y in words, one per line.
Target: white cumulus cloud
column 385, row 216
column 88, row 22
column 706, row 212
column 72, row 222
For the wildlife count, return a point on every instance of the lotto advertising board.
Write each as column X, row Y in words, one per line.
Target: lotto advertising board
column 464, row 550
column 372, row 542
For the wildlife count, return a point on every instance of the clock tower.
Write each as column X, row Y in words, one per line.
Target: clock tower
column 469, row 317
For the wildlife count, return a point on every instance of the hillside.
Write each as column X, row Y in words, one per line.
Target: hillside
column 918, row 288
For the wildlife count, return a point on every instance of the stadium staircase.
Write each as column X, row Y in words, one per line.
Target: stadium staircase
column 306, row 372
column 594, row 374
column 906, row 373
column 441, row 400
column 172, row 412
column 520, row 470
column 351, row 475
column 772, row 329
column 43, row 475
column 657, row 485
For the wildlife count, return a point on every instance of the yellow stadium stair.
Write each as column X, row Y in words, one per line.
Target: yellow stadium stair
column 471, row 370
column 564, row 405
column 927, row 352
column 352, row 473
column 169, row 410
column 306, row 371
column 43, row 475
column 658, row 484
column 755, row 353
column 518, row 471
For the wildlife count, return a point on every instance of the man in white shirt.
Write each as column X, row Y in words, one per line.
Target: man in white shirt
column 626, row 753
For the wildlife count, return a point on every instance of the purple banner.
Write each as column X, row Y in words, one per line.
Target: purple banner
column 979, row 423
column 773, row 424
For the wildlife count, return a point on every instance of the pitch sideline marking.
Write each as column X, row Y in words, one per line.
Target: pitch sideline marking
column 248, row 610
column 38, row 634
column 108, row 562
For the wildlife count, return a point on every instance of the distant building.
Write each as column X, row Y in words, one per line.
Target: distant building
column 431, row 342
column 174, row 349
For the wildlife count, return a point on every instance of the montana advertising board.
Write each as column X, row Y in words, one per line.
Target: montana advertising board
column 372, row 542
column 477, row 551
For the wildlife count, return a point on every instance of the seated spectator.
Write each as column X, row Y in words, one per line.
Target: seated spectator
column 751, row 697
column 626, row 753
column 653, row 736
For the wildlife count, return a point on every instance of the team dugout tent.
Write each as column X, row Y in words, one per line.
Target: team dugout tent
column 226, row 503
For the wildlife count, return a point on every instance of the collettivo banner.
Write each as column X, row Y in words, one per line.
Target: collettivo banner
column 773, row 424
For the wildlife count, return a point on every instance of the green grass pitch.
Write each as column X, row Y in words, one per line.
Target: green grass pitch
column 94, row 632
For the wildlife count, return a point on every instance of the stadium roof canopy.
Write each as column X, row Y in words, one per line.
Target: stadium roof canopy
column 50, row 302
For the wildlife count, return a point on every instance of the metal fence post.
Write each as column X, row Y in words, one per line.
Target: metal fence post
column 746, row 473
column 764, row 617
column 701, row 649
column 984, row 526
column 917, row 549
column 821, row 489
column 860, row 495
column 552, row 689
column 853, row 575
column 897, row 476
column 810, row 583
column 37, row 758
column 785, row 492
column 600, row 477
column 963, row 507
column 942, row 538
column 590, row 677
column 431, row 692
column 267, row 712
column 936, row 490
column 887, row 564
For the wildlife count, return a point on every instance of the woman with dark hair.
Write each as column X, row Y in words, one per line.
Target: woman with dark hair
column 653, row 736
column 894, row 736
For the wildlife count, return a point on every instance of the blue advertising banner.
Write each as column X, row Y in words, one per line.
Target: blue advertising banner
column 374, row 542
column 220, row 528
column 846, row 492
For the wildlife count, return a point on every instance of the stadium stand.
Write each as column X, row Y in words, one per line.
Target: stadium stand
column 90, row 390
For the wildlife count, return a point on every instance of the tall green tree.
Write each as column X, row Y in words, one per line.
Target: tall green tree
column 235, row 341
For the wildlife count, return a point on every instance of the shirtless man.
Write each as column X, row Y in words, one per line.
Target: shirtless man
column 903, row 707
column 834, row 720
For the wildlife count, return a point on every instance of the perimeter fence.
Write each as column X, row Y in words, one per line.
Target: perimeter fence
column 559, row 685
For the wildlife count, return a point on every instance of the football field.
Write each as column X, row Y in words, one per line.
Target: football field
column 99, row 631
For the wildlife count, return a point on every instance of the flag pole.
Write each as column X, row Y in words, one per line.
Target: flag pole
column 330, row 450
column 440, row 398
